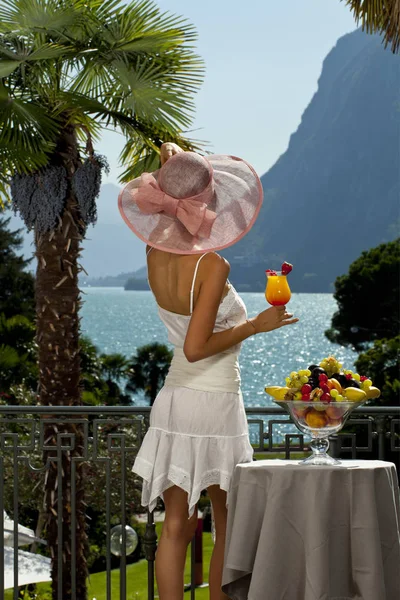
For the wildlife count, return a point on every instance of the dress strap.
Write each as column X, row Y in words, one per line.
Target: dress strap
column 147, row 254
column 194, row 279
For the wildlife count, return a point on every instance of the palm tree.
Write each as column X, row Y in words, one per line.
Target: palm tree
column 379, row 16
column 68, row 70
column 113, row 366
column 148, row 368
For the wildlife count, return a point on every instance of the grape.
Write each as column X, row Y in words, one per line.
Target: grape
column 317, row 372
column 353, row 383
column 342, row 379
column 334, row 393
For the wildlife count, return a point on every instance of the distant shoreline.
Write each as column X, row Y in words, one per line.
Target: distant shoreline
column 121, row 287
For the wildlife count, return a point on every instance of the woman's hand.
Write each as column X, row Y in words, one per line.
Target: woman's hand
column 272, row 318
column 167, row 150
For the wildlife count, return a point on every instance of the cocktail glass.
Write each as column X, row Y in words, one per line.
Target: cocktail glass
column 277, row 291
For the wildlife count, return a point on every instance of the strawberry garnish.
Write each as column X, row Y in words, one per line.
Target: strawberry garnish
column 286, row 268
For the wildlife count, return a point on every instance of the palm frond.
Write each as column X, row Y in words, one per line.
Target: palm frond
column 93, row 64
column 144, row 92
column 9, row 358
column 146, row 41
column 39, row 16
column 8, row 66
column 19, row 50
column 24, row 126
column 379, row 16
column 141, row 153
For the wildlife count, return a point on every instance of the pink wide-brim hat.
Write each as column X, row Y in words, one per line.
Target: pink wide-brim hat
column 215, row 219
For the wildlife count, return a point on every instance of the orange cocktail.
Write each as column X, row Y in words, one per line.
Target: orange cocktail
column 277, row 291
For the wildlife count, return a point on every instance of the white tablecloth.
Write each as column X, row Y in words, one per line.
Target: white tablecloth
column 300, row 532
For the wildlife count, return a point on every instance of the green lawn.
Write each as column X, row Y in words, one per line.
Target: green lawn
column 136, row 578
column 271, row 455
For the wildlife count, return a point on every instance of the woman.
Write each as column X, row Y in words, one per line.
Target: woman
column 198, row 429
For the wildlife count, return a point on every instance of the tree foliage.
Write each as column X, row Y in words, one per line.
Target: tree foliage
column 148, row 369
column 93, row 65
column 368, row 298
column 16, row 284
column 381, row 363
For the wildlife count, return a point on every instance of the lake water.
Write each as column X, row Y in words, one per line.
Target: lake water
column 120, row 321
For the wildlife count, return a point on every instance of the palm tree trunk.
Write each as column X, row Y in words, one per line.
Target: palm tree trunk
column 57, row 303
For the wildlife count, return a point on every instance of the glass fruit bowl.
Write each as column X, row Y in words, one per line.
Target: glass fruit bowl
column 319, row 420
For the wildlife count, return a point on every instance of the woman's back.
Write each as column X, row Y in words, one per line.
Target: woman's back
column 171, row 278
column 175, row 309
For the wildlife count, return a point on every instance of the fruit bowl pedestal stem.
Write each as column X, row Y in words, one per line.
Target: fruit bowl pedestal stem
column 319, row 456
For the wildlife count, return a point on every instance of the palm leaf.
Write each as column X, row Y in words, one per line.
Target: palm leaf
column 25, row 127
column 382, row 16
column 131, row 68
column 136, row 32
column 40, row 15
column 8, row 66
column 141, row 153
column 145, row 93
column 19, row 50
column 9, row 358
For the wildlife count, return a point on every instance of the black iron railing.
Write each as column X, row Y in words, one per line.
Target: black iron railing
column 36, row 440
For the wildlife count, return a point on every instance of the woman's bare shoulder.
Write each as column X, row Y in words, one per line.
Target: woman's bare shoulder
column 216, row 264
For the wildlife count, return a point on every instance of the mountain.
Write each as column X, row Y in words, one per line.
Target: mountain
column 118, row 280
column 335, row 192
column 110, row 246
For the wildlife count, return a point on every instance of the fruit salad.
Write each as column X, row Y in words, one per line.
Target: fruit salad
column 320, row 396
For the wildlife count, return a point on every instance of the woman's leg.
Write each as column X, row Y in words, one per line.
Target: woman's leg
column 218, row 500
column 177, row 531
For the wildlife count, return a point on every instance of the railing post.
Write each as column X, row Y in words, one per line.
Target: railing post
column 334, row 445
column 150, row 547
column 198, row 536
column 380, row 429
column 196, row 559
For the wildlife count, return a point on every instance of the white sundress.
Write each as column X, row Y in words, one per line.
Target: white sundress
column 198, row 428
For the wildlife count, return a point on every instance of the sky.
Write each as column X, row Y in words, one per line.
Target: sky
column 263, row 59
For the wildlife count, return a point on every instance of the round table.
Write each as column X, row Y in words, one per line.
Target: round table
column 299, row 532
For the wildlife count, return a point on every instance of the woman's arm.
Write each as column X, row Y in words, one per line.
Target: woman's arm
column 167, row 150
column 200, row 340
